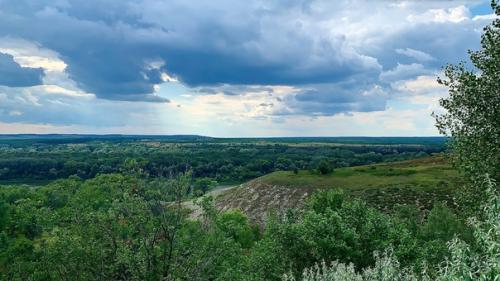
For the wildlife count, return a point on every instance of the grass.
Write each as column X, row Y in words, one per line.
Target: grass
column 421, row 181
column 372, row 176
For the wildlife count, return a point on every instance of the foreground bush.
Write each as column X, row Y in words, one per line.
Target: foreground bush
column 481, row 262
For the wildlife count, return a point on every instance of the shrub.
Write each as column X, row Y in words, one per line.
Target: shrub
column 324, row 167
column 466, row 263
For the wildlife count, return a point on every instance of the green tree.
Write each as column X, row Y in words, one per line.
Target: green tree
column 441, row 226
column 324, row 167
column 202, row 185
column 472, row 110
column 335, row 228
column 234, row 224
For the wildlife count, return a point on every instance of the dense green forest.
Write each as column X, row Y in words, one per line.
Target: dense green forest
column 113, row 208
column 223, row 160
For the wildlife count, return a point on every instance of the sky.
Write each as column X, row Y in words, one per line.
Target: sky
column 228, row 68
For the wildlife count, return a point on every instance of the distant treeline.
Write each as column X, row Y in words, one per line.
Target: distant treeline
column 229, row 161
column 19, row 140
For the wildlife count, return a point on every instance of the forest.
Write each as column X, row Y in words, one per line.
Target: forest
column 75, row 207
column 222, row 160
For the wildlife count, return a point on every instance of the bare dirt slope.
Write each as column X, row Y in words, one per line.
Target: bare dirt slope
column 420, row 182
column 257, row 198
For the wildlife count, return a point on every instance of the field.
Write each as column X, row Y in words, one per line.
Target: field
column 425, row 172
column 421, row 182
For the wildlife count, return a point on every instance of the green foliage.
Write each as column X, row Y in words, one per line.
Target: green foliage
column 441, row 224
column 110, row 227
column 333, row 227
column 234, row 224
column 472, row 108
column 386, row 268
column 465, row 262
column 324, row 167
column 320, row 202
column 422, row 182
column 202, row 185
column 266, row 261
column 37, row 162
column 120, row 227
column 482, row 261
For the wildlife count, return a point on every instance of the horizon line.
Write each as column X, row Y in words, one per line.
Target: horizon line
column 216, row 137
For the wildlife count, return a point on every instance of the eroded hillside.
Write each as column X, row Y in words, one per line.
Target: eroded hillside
column 420, row 182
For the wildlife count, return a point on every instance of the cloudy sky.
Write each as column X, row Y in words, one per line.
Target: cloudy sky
column 230, row 68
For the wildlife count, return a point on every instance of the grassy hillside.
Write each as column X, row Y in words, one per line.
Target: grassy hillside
column 421, row 182
column 426, row 171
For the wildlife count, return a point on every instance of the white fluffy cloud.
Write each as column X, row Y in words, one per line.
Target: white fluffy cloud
column 453, row 14
column 259, row 63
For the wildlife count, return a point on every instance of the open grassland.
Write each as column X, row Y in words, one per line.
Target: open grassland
column 424, row 172
column 421, row 182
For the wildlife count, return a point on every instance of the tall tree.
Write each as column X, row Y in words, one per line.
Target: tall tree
column 472, row 110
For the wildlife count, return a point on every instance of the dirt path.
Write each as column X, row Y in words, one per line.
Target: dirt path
column 196, row 210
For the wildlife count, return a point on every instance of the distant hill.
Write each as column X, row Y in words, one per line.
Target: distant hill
column 345, row 140
column 421, row 182
column 78, row 138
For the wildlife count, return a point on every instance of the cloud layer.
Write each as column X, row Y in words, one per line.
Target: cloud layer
column 269, row 59
column 14, row 75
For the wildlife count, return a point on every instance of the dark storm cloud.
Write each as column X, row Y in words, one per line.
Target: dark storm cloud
column 120, row 50
column 345, row 97
column 107, row 45
column 103, row 59
column 14, row 75
column 445, row 42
